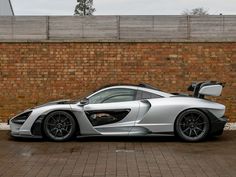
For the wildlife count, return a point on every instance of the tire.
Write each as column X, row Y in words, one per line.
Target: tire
column 192, row 125
column 59, row 126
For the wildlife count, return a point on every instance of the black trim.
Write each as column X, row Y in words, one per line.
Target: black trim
column 106, row 116
column 180, row 94
column 217, row 127
column 148, row 86
column 216, row 124
column 25, row 136
column 37, row 127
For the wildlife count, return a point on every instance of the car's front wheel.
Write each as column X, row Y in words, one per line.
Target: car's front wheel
column 59, row 126
column 192, row 125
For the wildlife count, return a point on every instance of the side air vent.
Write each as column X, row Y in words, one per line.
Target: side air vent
column 20, row 119
column 103, row 117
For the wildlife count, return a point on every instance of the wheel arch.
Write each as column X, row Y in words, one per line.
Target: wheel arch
column 37, row 127
column 203, row 110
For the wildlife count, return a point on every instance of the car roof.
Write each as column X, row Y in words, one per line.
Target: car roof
column 143, row 87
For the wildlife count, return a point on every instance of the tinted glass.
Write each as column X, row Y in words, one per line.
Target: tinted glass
column 119, row 98
column 148, row 95
column 113, row 95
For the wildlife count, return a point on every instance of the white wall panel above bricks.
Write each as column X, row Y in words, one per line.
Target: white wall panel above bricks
column 6, row 27
column 65, row 27
column 100, row 27
column 23, row 27
column 168, row 27
column 145, row 28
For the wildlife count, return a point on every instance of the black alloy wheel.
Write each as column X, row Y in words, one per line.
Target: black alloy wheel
column 192, row 125
column 59, row 126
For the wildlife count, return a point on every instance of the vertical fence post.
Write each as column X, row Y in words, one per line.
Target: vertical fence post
column 188, row 27
column 47, row 28
column 118, row 27
column 223, row 25
column 12, row 28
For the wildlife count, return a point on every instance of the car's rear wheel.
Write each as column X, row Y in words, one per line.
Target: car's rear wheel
column 59, row 126
column 192, row 125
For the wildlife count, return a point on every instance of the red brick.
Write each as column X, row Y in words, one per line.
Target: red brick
column 34, row 73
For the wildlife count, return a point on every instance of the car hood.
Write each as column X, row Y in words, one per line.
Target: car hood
column 68, row 101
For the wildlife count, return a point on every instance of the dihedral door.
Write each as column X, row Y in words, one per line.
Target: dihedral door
column 113, row 111
column 113, row 118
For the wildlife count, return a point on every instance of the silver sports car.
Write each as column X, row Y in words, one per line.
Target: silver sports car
column 127, row 110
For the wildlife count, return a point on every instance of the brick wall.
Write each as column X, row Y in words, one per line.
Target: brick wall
column 34, row 73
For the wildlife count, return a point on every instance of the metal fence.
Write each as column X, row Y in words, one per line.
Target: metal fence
column 145, row 28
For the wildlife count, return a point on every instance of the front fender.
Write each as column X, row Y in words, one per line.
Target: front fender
column 25, row 129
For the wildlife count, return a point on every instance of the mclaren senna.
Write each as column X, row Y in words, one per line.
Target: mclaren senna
column 127, row 110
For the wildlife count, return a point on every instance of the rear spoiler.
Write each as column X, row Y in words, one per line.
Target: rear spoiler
column 209, row 88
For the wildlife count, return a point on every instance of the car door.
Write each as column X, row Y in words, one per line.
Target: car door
column 113, row 111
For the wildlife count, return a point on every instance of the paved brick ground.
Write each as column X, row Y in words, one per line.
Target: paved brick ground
column 140, row 156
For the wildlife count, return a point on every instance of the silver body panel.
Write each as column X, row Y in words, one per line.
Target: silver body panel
column 145, row 116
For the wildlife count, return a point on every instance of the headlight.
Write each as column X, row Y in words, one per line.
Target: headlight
column 20, row 119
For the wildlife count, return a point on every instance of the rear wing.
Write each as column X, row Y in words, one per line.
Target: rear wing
column 208, row 88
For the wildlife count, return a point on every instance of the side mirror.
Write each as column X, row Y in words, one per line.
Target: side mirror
column 84, row 101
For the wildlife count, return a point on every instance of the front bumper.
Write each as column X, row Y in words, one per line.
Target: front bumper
column 14, row 128
column 17, row 133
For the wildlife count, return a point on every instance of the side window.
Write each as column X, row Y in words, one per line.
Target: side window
column 119, row 98
column 147, row 95
column 113, row 95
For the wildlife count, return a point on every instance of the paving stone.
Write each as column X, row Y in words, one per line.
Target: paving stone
column 118, row 156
